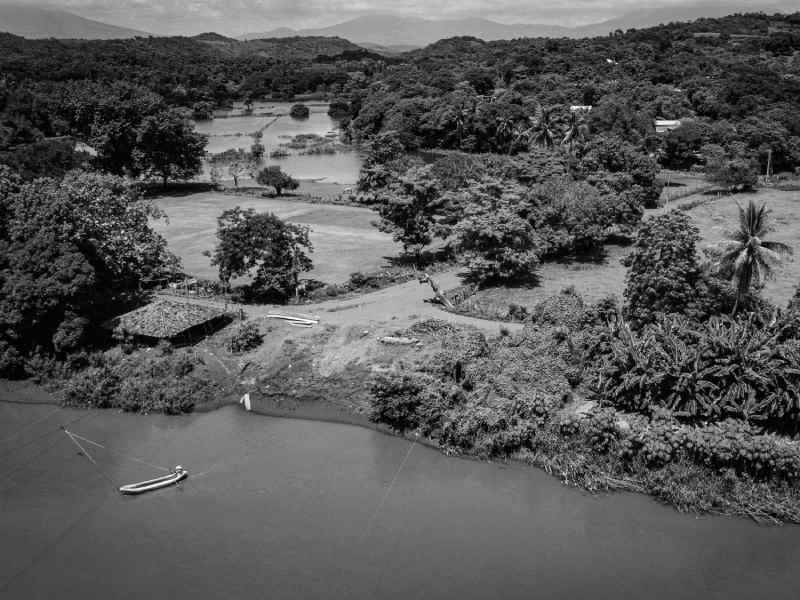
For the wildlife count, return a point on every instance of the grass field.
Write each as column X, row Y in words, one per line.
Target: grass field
column 598, row 280
column 343, row 237
column 719, row 216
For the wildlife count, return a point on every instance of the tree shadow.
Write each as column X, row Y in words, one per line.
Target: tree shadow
column 178, row 190
column 426, row 258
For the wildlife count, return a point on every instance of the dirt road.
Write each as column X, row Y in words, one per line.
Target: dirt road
column 396, row 306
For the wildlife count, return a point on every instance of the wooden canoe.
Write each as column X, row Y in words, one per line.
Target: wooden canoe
column 179, row 474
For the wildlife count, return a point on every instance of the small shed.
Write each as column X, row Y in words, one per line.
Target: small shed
column 666, row 125
column 85, row 148
column 174, row 321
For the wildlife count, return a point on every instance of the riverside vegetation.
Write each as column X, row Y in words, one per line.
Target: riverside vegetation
column 498, row 156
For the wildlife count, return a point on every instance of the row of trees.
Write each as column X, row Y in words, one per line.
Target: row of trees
column 504, row 214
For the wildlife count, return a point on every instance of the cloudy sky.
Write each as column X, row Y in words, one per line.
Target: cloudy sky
column 241, row 16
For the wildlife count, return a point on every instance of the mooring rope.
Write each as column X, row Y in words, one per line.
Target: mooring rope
column 74, row 435
column 388, row 490
column 81, row 448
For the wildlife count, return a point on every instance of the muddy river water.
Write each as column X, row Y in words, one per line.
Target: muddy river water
column 279, row 508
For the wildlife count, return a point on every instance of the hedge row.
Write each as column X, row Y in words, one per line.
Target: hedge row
column 729, row 444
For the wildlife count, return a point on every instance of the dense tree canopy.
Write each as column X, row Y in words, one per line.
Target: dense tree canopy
column 168, row 147
column 72, row 252
column 260, row 245
column 273, row 176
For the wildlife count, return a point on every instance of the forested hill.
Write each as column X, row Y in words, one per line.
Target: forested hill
column 186, row 70
column 732, row 80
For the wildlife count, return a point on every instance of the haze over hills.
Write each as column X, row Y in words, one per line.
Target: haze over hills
column 380, row 32
column 393, row 30
column 400, row 31
column 33, row 22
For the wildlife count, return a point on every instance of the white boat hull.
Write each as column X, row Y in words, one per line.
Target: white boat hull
column 154, row 484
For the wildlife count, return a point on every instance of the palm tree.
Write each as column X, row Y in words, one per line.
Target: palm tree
column 749, row 258
column 521, row 135
column 542, row 132
column 505, row 131
column 577, row 131
column 461, row 121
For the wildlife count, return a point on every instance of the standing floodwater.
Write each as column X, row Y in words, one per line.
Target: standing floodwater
column 233, row 129
column 278, row 508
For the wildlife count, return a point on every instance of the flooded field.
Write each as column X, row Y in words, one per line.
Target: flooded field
column 233, row 130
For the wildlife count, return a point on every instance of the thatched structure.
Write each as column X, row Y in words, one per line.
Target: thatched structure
column 170, row 320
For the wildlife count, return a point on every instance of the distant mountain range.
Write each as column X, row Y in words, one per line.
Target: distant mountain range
column 32, row 22
column 389, row 31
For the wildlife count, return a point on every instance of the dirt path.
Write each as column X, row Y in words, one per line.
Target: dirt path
column 397, row 306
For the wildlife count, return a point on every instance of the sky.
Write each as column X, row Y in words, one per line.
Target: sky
column 233, row 17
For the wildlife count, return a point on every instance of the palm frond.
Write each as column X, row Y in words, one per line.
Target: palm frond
column 778, row 247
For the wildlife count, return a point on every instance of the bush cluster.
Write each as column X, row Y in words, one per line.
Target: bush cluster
column 156, row 381
column 721, row 369
column 729, row 444
column 408, row 400
column 245, row 337
column 498, row 429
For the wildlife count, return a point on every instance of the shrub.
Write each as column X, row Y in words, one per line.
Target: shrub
column 601, row 429
column 499, row 429
column 731, row 168
column 729, row 444
column 721, row 369
column 245, row 337
column 11, row 361
column 409, row 400
column 299, row 111
column 97, row 387
column 339, row 108
column 162, row 381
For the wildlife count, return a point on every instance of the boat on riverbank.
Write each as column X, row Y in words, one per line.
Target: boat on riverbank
column 177, row 475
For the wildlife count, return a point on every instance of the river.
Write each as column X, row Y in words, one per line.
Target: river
column 279, row 508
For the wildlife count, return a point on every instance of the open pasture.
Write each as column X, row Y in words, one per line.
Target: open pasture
column 344, row 239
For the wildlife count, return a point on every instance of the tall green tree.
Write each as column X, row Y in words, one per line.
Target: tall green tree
column 168, row 147
column 264, row 247
column 542, row 132
column 495, row 237
column 410, row 209
column 274, row 177
column 749, row 258
column 72, row 253
column 578, row 131
column 663, row 270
